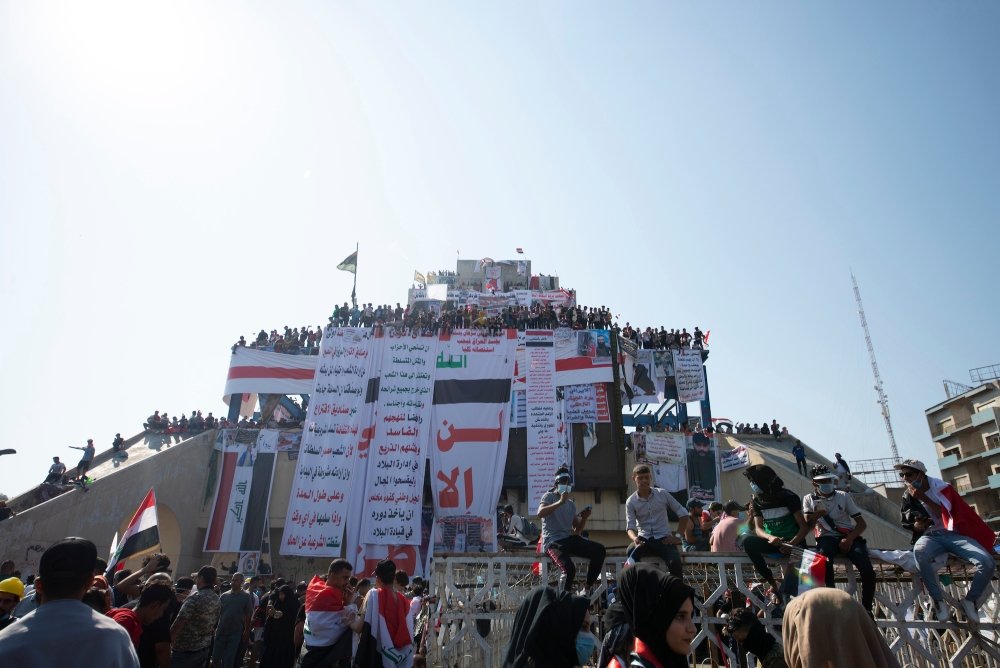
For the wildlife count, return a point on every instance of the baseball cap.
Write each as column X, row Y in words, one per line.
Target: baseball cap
column 911, row 464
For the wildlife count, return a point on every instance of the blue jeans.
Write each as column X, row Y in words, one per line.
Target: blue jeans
column 929, row 546
column 225, row 650
column 196, row 659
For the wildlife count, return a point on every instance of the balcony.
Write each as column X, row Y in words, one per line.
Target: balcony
column 994, row 481
column 973, row 486
column 949, row 462
column 958, row 428
column 984, row 417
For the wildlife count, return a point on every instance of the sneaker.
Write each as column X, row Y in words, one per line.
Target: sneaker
column 942, row 612
column 971, row 613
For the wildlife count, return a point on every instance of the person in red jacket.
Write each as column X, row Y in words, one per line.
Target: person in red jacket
column 942, row 522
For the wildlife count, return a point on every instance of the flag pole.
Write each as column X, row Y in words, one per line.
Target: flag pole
column 354, row 290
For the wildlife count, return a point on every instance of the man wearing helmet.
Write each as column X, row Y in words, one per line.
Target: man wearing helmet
column 11, row 593
column 838, row 524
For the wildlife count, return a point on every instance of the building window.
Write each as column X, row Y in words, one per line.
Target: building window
column 992, row 441
column 985, row 406
column 949, row 452
column 947, row 425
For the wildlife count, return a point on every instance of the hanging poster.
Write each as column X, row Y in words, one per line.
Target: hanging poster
column 690, row 375
column 395, row 484
column 544, row 417
column 314, row 523
column 581, row 403
column 470, row 430
column 669, row 447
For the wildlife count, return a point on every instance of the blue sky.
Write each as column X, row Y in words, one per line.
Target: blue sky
column 173, row 176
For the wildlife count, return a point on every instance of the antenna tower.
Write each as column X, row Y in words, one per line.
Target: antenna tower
column 883, row 401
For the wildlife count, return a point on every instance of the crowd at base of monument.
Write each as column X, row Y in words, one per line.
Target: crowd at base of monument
column 642, row 616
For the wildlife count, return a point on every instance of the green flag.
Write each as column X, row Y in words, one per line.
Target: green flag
column 350, row 263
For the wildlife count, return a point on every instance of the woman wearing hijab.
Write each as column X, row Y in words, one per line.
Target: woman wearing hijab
column 827, row 628
column 279, row 650
column 658, row 608
column 546, row 629
column 618, row 641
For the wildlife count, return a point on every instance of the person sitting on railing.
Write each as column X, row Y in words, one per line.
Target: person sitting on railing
column 838, row 524
column 691, row 528
column 561, row 529
column 777, row 521
column 647, row 524
column 153, row 422
column 942, row 522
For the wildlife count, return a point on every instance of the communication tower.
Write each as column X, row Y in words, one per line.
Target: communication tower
column 883, row 401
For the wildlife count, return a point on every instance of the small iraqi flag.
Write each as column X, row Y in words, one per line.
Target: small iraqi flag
column 812, row 571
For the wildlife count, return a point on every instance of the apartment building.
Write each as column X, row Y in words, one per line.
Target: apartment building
column 965, row 429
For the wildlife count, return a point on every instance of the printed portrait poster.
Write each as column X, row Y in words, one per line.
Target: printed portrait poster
column 703, row 468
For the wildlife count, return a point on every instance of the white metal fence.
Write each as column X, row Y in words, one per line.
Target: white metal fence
column 479, row 596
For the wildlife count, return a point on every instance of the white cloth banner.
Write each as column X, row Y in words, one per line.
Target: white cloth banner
column 669, row 447
column 314, row 523
column 690, row 375
column 671, row 477
column 359, row 481
column 581, row 403
column 260, row 372
column 470, row 430
column 737, row 458
column 544, row 442
column 395, row 485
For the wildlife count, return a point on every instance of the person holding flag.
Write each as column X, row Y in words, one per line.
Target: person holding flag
column 942, row 522
column 777, row 521
column 142, row 534
column 838, row 524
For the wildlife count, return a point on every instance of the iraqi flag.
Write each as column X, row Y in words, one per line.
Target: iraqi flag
column 812, row 571
column 141, row 536
column 263, row 372
column 958, row 516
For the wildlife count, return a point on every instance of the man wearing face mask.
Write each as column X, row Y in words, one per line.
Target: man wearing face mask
column 777, row 522
column 561, row 528
column 941, row 521
column 837, row 524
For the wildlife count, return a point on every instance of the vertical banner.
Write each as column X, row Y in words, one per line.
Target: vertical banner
column 601, row 394
column 470, row 430
column 702, row 467
column 394, row 491
column 542, row 409
column 265, row 455
column 314, row 524
column 518, row 413
column 359, row 481
column 225, row 528
column 690, row 375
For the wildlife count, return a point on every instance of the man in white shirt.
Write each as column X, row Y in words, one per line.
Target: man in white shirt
column 647, row 524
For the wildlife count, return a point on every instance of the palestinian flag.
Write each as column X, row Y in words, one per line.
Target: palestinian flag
column 141, row 536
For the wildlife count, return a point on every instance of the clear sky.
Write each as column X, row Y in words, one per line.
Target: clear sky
column 174, row 175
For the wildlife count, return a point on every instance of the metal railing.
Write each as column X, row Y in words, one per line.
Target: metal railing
column 479, row 597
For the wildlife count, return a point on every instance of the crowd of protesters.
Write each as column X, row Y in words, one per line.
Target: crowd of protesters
column 161, row 423
column 763, row 428
column 150, row 618
column 652, row 339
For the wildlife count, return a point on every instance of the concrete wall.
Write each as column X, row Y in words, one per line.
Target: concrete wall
column 178, row 475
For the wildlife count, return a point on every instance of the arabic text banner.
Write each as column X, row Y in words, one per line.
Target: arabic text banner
column 314, row 524
column 470, row 430
column 690, row 375
column 395, row 484
column 581, row 357
column 545, row 453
